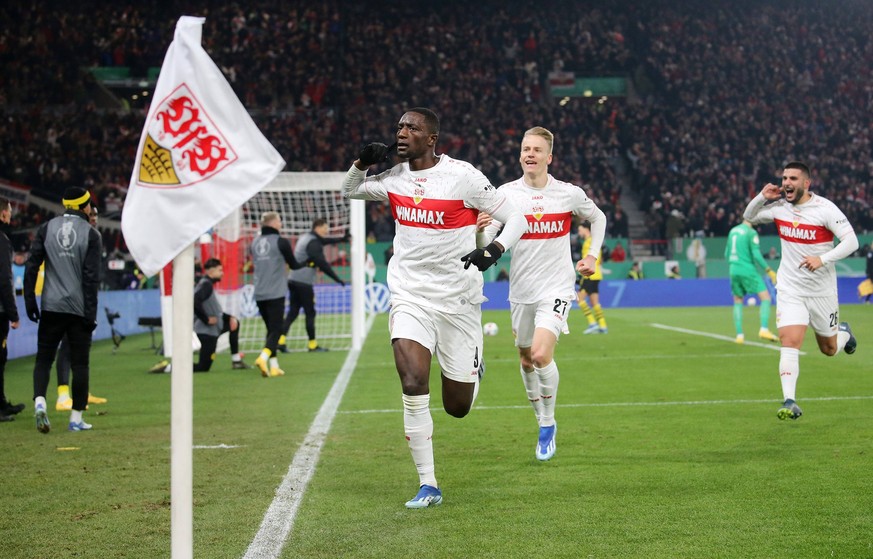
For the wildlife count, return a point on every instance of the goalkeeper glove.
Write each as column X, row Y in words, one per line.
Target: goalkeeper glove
column 483, row 258
column 772, row 275
column 375, row 153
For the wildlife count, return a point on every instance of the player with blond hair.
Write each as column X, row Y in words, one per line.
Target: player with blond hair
column 541, row 273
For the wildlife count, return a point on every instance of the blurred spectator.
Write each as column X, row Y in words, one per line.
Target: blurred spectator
column 18, row 260
column 618, row 253
column 306, row 70
column 696, row 253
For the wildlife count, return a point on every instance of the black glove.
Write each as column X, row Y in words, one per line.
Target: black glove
column 483, row 258
column 89, row 325
column 32, row 309
column 375, row 153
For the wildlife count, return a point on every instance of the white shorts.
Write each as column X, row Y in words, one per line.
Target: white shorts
column 821, row 313
column 455, row 339
column 550, row 314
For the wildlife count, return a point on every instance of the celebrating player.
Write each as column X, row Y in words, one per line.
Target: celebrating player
column 807, row 225
column 541, row 273
column 436, row 296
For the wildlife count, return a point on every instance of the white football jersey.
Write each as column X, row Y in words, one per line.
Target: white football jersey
column 542, row 265
column 806, row 230
column 435, row 213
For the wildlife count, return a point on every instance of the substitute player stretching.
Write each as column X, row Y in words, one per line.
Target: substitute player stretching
column 807, row 225
column 541, row 273
column 435, row 296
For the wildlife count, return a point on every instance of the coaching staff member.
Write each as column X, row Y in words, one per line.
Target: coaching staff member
column 71, row 250
column 301, row 290
column 270, row 254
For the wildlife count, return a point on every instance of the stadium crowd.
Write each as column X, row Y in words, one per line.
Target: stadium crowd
column 721, row 96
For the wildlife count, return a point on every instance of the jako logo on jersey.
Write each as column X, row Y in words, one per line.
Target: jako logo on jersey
column 183, row 146
column 801, row 233
column 548, row 226
column 431, row 213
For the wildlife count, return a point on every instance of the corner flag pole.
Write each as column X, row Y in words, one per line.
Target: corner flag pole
column 181, row 408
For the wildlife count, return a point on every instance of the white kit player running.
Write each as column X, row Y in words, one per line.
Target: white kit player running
column 435, row 297
column 541, row 274
column 807, row 225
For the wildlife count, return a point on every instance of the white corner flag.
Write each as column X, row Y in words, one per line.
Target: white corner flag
column 200, row 155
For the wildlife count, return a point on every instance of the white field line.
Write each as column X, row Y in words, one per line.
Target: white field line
column 279, row 518
column 634, row 404
column 771, row 346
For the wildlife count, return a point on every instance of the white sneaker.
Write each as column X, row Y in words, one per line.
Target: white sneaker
column 80, row 426
column 42, row 421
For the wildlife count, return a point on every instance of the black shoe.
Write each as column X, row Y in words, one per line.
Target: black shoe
column 852, row 344
column 282, row 348
column 318, row 348
column 240, row 365
column 10, row 409
column 4, row 418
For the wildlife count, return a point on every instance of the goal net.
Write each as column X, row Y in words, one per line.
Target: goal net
column 299, row 198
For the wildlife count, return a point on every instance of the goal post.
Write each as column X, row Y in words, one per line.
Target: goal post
column 299, row 198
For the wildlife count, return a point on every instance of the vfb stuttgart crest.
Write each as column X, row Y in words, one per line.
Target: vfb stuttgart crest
column 182, row 145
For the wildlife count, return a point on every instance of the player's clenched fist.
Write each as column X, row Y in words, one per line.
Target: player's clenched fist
column 374, row 153
column 587, row 266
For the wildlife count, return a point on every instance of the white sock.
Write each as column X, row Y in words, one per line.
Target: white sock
column 274, row 363
column 418, row 426
column 842, row 339
column 39, row 401
column 264, row 356
column 76, row 416
column 789, row 370
column 236, row 358
column 549, row 378
column 531, row 382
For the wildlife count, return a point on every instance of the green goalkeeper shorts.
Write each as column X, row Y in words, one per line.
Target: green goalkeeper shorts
column 746, row 285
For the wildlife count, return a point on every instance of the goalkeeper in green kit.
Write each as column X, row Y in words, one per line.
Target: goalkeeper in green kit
column 743, row 252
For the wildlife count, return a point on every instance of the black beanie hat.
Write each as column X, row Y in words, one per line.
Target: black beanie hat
column 76, row 198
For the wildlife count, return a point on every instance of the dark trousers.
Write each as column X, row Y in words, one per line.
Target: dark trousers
column 4, row 355
column 300, row 295
column 53, row 327
column 208, row 344
column 271, row 311
column 63, row 365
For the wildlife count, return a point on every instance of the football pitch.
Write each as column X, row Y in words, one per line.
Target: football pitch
column 668, row 446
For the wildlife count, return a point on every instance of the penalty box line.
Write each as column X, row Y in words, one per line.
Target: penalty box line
column 770, row 346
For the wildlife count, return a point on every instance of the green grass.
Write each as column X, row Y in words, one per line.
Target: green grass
column 668, row 446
